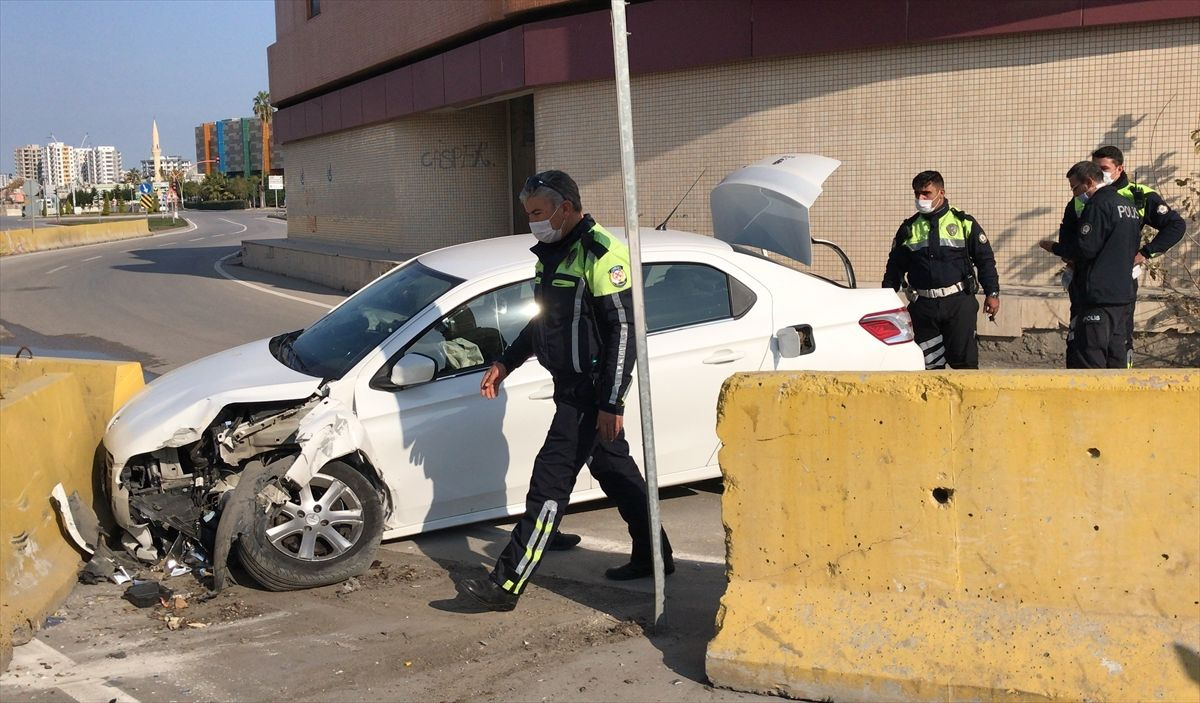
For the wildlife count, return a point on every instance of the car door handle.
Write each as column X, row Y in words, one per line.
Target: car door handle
column 724, row 356
column 544, row 393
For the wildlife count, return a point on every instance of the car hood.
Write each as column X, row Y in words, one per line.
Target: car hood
column 175, row 408
column 765, row 204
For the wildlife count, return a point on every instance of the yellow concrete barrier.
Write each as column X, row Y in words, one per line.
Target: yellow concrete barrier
column 52, row 418
column 16, row 241
column 961, row 536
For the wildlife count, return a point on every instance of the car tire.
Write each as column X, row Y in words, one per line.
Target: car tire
column 293, row 546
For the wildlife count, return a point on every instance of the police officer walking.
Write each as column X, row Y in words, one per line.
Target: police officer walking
column 1103, row 290
column 583, row 335
column 938, row 250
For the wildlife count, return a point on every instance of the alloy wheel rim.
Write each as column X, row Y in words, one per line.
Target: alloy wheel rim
column 322, row 521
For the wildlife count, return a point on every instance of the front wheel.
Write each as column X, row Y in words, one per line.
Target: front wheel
column 325, row 533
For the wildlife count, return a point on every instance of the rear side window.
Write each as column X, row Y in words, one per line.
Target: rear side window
column 684, row 294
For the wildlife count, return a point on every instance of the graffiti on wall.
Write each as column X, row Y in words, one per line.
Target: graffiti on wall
column 458, row 156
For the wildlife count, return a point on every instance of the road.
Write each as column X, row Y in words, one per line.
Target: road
column 164, row 301
column 159, row 300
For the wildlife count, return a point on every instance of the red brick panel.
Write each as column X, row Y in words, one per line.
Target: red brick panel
column 671, row 34
column 399, row 92
column 576, row 48
column 462, row 74
column 502, row 62
column 312, row 117
column 1097, row 12
column 352, row 105
column 428, row 83
column 331, row 111
column 284, row 131
column 947, row 19
column 374, row 99
column 785, row 27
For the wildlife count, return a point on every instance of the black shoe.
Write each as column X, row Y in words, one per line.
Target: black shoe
column 562, row 541
column 488, row 594
column 630, row 571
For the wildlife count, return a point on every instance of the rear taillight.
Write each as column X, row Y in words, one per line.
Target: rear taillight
column 889, row 326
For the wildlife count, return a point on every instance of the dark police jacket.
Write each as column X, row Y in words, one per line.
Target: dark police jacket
column 940, row 249
column 1151, row 207
column 585, row 323
column 1102, row 247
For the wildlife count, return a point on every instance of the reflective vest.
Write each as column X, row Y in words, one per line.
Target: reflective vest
column 1135, row 193
column 953, row 231
column 595, row 265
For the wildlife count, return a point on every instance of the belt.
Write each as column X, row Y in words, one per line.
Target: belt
column 939, row 292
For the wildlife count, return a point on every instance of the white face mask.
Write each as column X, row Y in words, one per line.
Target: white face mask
column 1108, row 178
column 544, row 231
column 925, row 206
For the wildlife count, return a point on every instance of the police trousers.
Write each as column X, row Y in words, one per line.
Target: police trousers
column 1099, row 337
column 571, row 442
column 945, row 330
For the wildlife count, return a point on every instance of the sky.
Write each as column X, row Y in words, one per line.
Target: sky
column 106, row 68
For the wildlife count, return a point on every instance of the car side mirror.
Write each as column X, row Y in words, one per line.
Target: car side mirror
column 412, row 369
column 795, row 341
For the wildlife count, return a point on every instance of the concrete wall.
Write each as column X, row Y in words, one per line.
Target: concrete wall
column 52, row 417
column 950, row 536
column 343, row 270
column 407, row 186
column 17, row 241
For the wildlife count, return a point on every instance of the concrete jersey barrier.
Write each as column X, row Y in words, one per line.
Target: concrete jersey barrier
column 18, row 241
column 961, row 536
column 52, row 417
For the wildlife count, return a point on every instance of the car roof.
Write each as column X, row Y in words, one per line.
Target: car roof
column 479, row 258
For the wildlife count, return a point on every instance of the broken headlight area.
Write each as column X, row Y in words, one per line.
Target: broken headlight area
column 181, row 491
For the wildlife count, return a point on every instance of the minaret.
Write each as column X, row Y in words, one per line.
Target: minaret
column 155, row 151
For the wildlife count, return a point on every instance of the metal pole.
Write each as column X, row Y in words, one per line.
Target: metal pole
column 629, row 178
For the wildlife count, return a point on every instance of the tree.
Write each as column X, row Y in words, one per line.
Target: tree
column 105, row 209
column 262, row 106
column 132, row 176
column 215, row 186
column 191, row 190
column 264, row 111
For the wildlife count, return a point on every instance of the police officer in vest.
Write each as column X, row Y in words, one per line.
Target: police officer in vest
column 1151, row 207
column 1102, row 247
column 1153, row 210
column 583, row 335
column 939, row 250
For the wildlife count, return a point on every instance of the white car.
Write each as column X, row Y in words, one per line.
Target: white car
column 302, row 451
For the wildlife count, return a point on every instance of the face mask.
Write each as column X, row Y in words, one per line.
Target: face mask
column 544, row 231
column 925, row 206
column 1108, row 178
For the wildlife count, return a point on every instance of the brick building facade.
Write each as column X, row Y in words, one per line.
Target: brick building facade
column 419, row 129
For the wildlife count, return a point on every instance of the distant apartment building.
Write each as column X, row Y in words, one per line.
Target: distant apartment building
column 237, row 147
column 28, row 162
column 168, row 164
column 58, row 165
column 5, row 179
column 102, row 164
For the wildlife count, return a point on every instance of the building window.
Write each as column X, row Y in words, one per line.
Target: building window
column 314, row 8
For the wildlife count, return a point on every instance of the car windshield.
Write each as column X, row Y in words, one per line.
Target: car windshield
column 338, row 341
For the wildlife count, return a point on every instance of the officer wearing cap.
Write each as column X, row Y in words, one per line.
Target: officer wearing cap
column 583, row 335
column 1102, row 247
column 938, row 250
